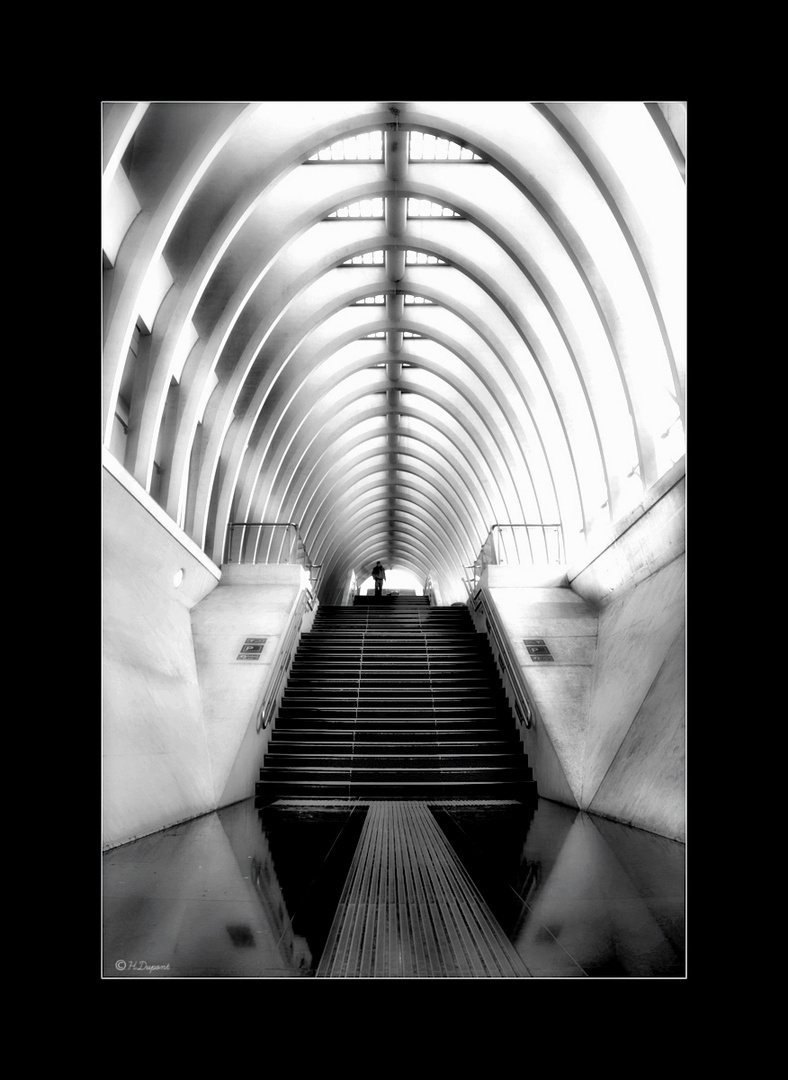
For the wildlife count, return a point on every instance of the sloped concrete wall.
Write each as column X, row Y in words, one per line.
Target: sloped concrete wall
column 156, row 759
column 180, row 731
column 251, row 602
column 610, row 735
column 560, row 688
column 634, row 769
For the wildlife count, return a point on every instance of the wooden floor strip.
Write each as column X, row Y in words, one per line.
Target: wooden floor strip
column 409, row 909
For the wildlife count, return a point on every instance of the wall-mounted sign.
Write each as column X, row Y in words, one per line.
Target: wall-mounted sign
column 252, row 648
column 537, row 650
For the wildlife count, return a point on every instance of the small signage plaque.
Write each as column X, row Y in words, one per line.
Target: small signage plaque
column 538, row 652
column 252, row 648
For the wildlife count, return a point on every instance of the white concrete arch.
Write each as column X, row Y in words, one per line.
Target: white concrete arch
column 144, row 244
column 274, row 217
column 591, row 410
column 324, row 482
column 463, row 383
column 371, row 540
column 243, row 432
column 403, row 552
column 370, row 511
column 545, row 165
column 447, row 448
column 331, row 437
column 335, row 406
column 241, row 368
column 411, row 483
column 221, row 429
column 549, row 381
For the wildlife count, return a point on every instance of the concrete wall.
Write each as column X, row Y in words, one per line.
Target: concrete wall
column 609, row 735
column 634, row 768
column 181, row 731
column 157, row 767
column 251, row 602
column 560, row 688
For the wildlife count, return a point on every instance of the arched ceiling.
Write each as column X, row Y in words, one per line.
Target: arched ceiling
column 529, row 363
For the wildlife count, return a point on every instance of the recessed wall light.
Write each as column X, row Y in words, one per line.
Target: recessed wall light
column 178, row 579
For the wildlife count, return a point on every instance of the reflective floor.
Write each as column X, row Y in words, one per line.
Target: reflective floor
column 245, row 893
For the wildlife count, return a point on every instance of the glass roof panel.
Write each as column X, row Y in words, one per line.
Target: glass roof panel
column 364, row 208
column 419, row 208
column 369, row 258
column 421, row 258
column 367, row 146
column 426, row 147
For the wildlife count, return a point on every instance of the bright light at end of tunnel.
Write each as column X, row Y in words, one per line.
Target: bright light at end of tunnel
column 395, row 580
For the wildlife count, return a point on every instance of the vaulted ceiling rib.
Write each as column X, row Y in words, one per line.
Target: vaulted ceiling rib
column 548, row 381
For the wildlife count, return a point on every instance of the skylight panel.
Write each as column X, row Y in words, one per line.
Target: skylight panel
column 424, row 147
column 364, row 209
column 382, row 334
column 369, row 258
column 421, row 258
column 368, row 146
column 419, row 208
column 411, row 299
column 378, row 299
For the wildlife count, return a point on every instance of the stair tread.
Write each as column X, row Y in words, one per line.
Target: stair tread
column 394, row 696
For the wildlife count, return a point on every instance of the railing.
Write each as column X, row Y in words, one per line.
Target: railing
column 508, row 664
column 284, row 661
column 517, row 545
column 269, row 542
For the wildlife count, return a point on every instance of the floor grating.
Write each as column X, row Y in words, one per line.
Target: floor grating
column 410, row 910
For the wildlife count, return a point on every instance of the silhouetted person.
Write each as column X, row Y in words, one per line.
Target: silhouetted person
column 378, row 576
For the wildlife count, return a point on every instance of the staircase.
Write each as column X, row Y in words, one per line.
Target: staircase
column 393, row 698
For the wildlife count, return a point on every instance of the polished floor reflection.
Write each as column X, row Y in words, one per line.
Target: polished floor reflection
column 245, row 893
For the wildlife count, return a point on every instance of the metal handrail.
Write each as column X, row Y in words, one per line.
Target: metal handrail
column 287, row 651
column 496, row 550
column 284, row 539
column 523, row 704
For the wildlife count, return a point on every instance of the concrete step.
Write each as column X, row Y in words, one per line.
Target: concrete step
column 457, row 774
column 522, row 790
column 336, row 731
column 410, row 760
column 394, row 748
column 394, row 701
column 375, row 695
column 394, row 716
column 398, row 702
column 394, row 681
